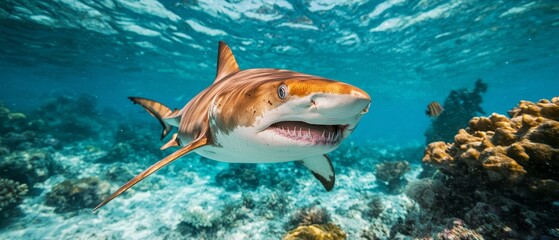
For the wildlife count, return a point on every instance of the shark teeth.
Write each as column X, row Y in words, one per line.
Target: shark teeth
column 310, row 133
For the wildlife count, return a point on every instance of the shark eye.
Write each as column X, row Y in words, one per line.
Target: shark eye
column 282, row 91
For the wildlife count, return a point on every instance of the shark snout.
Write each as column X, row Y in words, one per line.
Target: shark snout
column 341, row 105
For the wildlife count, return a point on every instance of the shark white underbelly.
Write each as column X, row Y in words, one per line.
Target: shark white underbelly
column 260, row 116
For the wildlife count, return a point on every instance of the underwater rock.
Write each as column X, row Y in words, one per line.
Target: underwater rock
column 308, row 216
column 29, row 167
column 518, row 154
column 72, row 195
column 327, row 231
column 11, row 194
column 238, row 177
column 460, row 106
column 391, row 175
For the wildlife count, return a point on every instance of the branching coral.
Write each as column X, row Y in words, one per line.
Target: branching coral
column 11, row 193
column 460, row 106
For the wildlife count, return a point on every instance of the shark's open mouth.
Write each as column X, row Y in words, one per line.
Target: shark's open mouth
column 313, row 133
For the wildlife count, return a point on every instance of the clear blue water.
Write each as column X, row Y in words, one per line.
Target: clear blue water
column 405, row 54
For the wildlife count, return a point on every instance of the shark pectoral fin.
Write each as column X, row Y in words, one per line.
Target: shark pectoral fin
column 171, row 143
column 322, row 169
column 174, row 156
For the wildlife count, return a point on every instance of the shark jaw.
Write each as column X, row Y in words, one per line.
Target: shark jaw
column 309, row 134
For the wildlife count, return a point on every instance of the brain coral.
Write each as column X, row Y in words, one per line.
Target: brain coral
column 519, row 155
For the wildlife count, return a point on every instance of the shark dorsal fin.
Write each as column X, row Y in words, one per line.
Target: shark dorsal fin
column 226, row 63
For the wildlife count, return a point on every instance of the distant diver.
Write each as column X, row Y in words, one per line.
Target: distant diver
column 260, row 116
column 434, row 109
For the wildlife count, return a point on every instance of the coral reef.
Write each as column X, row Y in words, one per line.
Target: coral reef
column 428, row 193
column 460, row 106
column 71, row 118
column 499, row 176
column 308, row 216
column 30, row 167
column 11, row 194
column 11, row 121
column 72, row 195
column 316, row 232
column 391, row 175
column 517, row 155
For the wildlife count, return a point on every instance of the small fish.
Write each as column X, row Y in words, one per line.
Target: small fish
column 260, row 116
column 434, row 109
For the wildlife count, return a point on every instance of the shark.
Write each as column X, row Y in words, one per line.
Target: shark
column 260, row 115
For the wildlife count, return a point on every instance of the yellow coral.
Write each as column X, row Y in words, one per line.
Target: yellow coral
column 316, row 232
column 522, row 150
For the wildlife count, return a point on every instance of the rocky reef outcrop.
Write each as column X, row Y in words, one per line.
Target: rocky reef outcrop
column 500, row 175
column 519, row 155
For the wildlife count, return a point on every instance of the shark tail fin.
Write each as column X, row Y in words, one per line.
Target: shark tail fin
column 153, row 168
column 158, row 111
